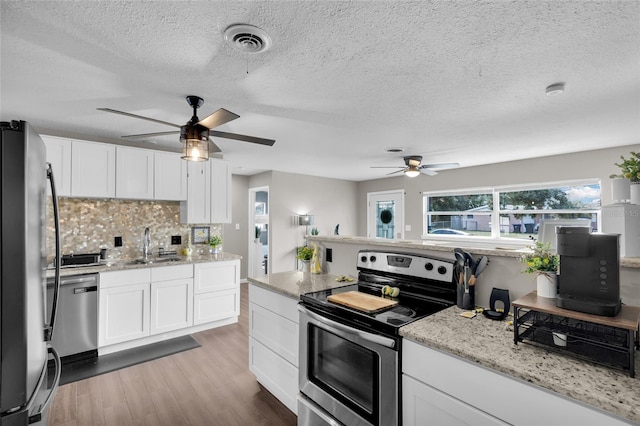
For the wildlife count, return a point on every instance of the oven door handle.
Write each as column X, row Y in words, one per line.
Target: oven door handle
column 370, row 337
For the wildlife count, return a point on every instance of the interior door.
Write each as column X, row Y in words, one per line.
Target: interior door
column 385, row 214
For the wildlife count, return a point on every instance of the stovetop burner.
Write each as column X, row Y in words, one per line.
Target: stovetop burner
column 426, row 286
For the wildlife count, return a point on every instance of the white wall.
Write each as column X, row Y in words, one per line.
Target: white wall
column 331, row 201
column 237, row 240
column 597, row 164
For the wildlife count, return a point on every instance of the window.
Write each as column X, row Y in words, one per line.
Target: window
column 512, row 212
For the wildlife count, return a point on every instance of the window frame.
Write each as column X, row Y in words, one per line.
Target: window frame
column 497, row 212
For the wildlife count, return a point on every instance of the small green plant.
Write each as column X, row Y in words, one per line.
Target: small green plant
column 629, row 167
column 314, row 231
column 304, row 253
column 215, row 241
column 541, row 261
column 258, row 232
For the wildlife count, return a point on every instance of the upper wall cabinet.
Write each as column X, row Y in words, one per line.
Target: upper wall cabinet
column 220, row 191
column 170, row 176
column 59, row 155
column 208, row 193
column 93, row 169
column 134, row 173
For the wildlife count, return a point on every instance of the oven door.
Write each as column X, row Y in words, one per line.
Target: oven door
column 350, row 373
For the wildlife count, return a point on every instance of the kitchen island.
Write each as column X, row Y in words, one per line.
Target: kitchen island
column 488, row 345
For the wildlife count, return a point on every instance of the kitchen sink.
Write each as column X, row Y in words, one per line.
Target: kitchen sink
column 151, row 261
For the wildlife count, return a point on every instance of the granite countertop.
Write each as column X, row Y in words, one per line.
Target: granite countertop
column 126, row 264
column 490, row 344
column 290, row 283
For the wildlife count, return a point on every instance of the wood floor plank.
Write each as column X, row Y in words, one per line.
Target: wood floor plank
column 209, row 385
column 135, row 391
column 90, row 410
column 111, row 390
column 64, row 406
column 118, row 415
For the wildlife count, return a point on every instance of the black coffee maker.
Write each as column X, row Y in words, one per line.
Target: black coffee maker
column 589, row 274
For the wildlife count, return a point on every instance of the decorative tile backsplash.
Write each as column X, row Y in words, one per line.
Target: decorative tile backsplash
column 88, row 225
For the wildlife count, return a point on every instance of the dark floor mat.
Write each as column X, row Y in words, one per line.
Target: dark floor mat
column 74, row 370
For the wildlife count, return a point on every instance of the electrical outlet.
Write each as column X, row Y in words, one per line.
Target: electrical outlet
column 176, row 240
column 328, row 256
column 117, row 242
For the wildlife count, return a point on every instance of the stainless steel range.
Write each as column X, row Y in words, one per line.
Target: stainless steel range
column 350, row 353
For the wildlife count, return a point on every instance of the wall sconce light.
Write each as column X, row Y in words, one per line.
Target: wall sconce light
column 305, row 220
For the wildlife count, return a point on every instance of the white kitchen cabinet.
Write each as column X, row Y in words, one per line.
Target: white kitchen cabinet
column 451, row 390
column 134, row 173
column 171, row 298
column 93, row 169
column 124, row 313
column 124, row 302
column 170, row 176
column 273, row 343
column 197, row 207
column 216, row 291
column 220, row 191
column 208, row 193
column 59, row 155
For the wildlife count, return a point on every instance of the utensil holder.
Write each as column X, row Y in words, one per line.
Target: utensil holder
column 460, row 295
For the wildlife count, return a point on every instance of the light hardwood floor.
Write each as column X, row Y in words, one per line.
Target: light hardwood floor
column 210, row 385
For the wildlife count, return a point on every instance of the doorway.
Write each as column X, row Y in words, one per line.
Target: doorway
column 385, row 214
column 258, row 231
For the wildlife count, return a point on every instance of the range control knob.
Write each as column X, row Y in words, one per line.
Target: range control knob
column 372, row 258
column 428, row 266
column 363, row 259
column 442, row 270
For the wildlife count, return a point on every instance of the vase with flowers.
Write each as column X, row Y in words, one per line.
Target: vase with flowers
column 543, row 263
column 629, row 175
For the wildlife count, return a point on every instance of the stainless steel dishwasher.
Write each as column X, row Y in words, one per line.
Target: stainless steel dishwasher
column 76, row 329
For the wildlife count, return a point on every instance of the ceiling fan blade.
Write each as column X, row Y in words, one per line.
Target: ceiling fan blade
column 244, row 138
column 397, row 171
column 387, row 167
column 148, row 135
column 218, row 118
column 440, row 166
column 428, row 172
column 128, row 114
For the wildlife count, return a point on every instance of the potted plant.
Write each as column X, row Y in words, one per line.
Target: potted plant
column 258, row 233
column 629, row 173
column 214, row 244
column 542, row 262
column 305, row 253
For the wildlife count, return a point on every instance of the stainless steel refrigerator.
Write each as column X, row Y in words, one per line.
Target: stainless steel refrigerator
column 28, row 380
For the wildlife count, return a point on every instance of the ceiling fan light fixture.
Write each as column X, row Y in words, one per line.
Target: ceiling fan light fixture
column 412, row 171
column 195, row 142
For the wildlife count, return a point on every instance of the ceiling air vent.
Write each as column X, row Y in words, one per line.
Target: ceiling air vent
column 247, row 38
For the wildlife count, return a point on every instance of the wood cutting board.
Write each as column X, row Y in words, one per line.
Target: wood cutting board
column 361, row 301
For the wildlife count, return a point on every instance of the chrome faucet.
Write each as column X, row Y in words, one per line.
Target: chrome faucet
column 146, row 243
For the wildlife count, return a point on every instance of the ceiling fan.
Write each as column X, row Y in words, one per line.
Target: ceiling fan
column 413, row 167
column 195, row 133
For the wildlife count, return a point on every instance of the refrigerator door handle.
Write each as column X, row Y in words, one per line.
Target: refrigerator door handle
column 36, row 417
column 48, row 332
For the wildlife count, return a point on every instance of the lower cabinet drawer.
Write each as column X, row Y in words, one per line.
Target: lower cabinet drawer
column 276, row 332
column 215, row 306
column 274, row 373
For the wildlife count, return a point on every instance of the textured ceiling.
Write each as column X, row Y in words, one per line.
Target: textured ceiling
column 454, row 81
